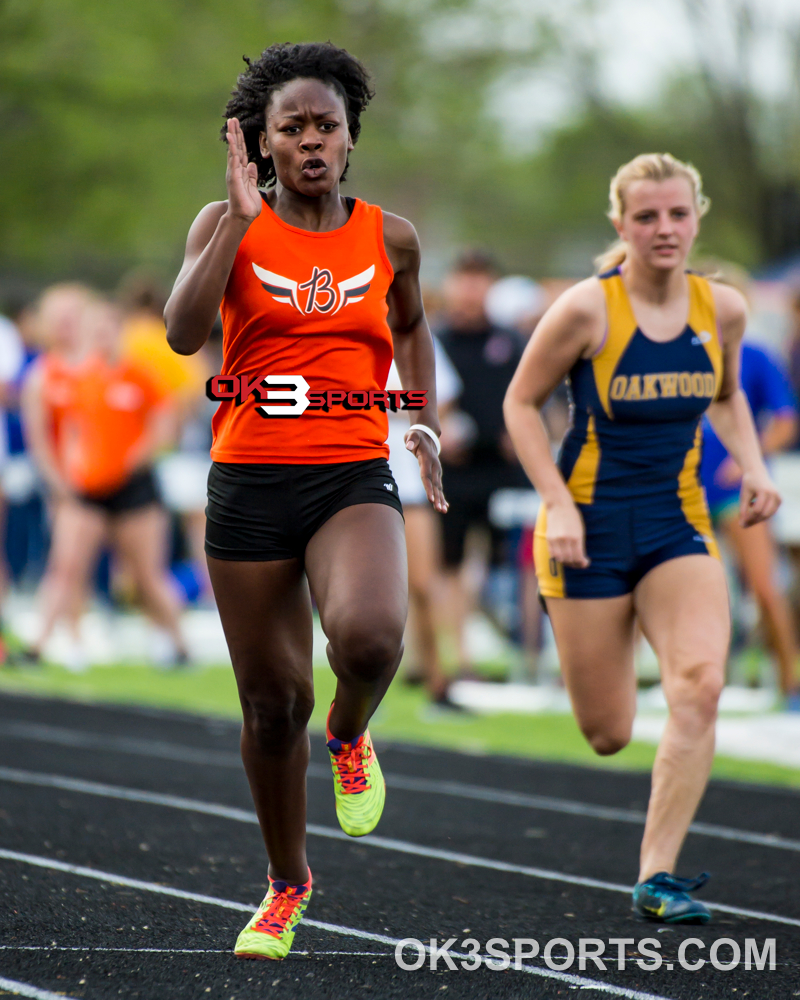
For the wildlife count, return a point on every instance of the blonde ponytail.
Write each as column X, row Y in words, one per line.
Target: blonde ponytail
column 611, row 257
column 646, row 167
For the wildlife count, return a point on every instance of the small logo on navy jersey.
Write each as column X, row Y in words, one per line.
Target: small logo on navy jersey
column 701, row 338
column 321, row 293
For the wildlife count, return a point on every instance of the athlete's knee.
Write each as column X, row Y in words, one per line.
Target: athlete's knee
column 694, row 697
column 275, row 718
column 607, row 740
column 367, row 649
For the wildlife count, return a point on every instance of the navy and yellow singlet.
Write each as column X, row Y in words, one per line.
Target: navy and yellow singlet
column 631, row 457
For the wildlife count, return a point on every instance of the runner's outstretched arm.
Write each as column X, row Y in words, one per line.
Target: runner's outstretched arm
column 413, row 348
column 210, row 251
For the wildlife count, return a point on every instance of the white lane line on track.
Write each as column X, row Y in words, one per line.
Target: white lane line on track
column 453, row 789
column 331, row 833
column 228, row 904
column 26, row 990
column 91, row 949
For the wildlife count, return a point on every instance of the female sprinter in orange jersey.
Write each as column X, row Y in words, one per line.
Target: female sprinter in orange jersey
column 319, row 289
column 624, row 532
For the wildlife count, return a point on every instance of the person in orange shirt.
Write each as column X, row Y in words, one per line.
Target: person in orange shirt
column 316, row 292
column 94, row 428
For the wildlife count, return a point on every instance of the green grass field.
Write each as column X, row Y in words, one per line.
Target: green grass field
column 404, row 715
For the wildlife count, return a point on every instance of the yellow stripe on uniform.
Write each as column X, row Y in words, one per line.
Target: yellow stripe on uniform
column 549, row 573
column 703, row 320
column 692, row 497
column 621, row 326
column 584, row 473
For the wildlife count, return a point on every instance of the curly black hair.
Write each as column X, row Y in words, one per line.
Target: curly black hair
column 274, row 68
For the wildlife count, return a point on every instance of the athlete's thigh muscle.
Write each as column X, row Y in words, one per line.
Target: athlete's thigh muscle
column 266, row 614
column 356, row 565
column 682, row 605
column 595, row 640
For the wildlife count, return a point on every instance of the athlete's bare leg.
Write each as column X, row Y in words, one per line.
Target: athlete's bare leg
column 356, row 566
column 683, row 610
column 266, row 614
column 595, row 639
column 756, row 554
column 424, row 572
column 78, row 534
column 194, row 524
column 140, row 537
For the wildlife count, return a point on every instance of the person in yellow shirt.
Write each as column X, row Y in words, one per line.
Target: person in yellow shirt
column 144, row 340
column 181, row 379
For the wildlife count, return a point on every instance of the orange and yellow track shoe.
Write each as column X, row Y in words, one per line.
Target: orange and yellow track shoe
column 357, row 783
column 271, row 931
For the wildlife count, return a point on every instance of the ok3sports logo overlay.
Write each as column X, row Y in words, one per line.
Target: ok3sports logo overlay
column 296, row 396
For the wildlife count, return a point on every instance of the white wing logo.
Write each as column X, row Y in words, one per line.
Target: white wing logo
column 354, row 289
column 280, row 288
column 286, row 291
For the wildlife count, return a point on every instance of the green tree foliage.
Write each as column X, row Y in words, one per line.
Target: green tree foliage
column 110, row 115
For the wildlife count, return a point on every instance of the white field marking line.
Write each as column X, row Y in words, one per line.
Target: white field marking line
column 26, row 990
column 331, row 833
column 454, row 789
column 228, row 904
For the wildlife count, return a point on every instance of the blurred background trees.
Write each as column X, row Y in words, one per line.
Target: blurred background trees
column 495, row 121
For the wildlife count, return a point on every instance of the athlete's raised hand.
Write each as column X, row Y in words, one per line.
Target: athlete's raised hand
column 241, row 177
column 758, row 498
column 566, row 535
column 430, row 468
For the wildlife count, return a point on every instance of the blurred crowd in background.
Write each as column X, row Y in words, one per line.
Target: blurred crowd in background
column 104, row 442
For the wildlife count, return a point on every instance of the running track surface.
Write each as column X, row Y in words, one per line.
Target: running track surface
column 113, row 822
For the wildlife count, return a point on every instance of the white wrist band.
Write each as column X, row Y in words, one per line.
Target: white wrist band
column 429, row 431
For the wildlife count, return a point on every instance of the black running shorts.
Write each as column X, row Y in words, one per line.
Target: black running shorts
column 258, row 513
column 141, row 490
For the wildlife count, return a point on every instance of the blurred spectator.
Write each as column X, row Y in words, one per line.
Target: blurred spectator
column 794, row 341
column 95, row 422
column 144, row 340
column 423, row 540
column 516, row 302
column 12, row 357
column 182, row 379
column 477, row 456
column 183, row 476
column 26, row 530
column 768, row 390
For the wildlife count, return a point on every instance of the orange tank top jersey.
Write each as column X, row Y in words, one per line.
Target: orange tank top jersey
column 102, row 416
column 306, row 304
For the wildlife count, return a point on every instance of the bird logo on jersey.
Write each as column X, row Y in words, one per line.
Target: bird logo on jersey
column 322, row 295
